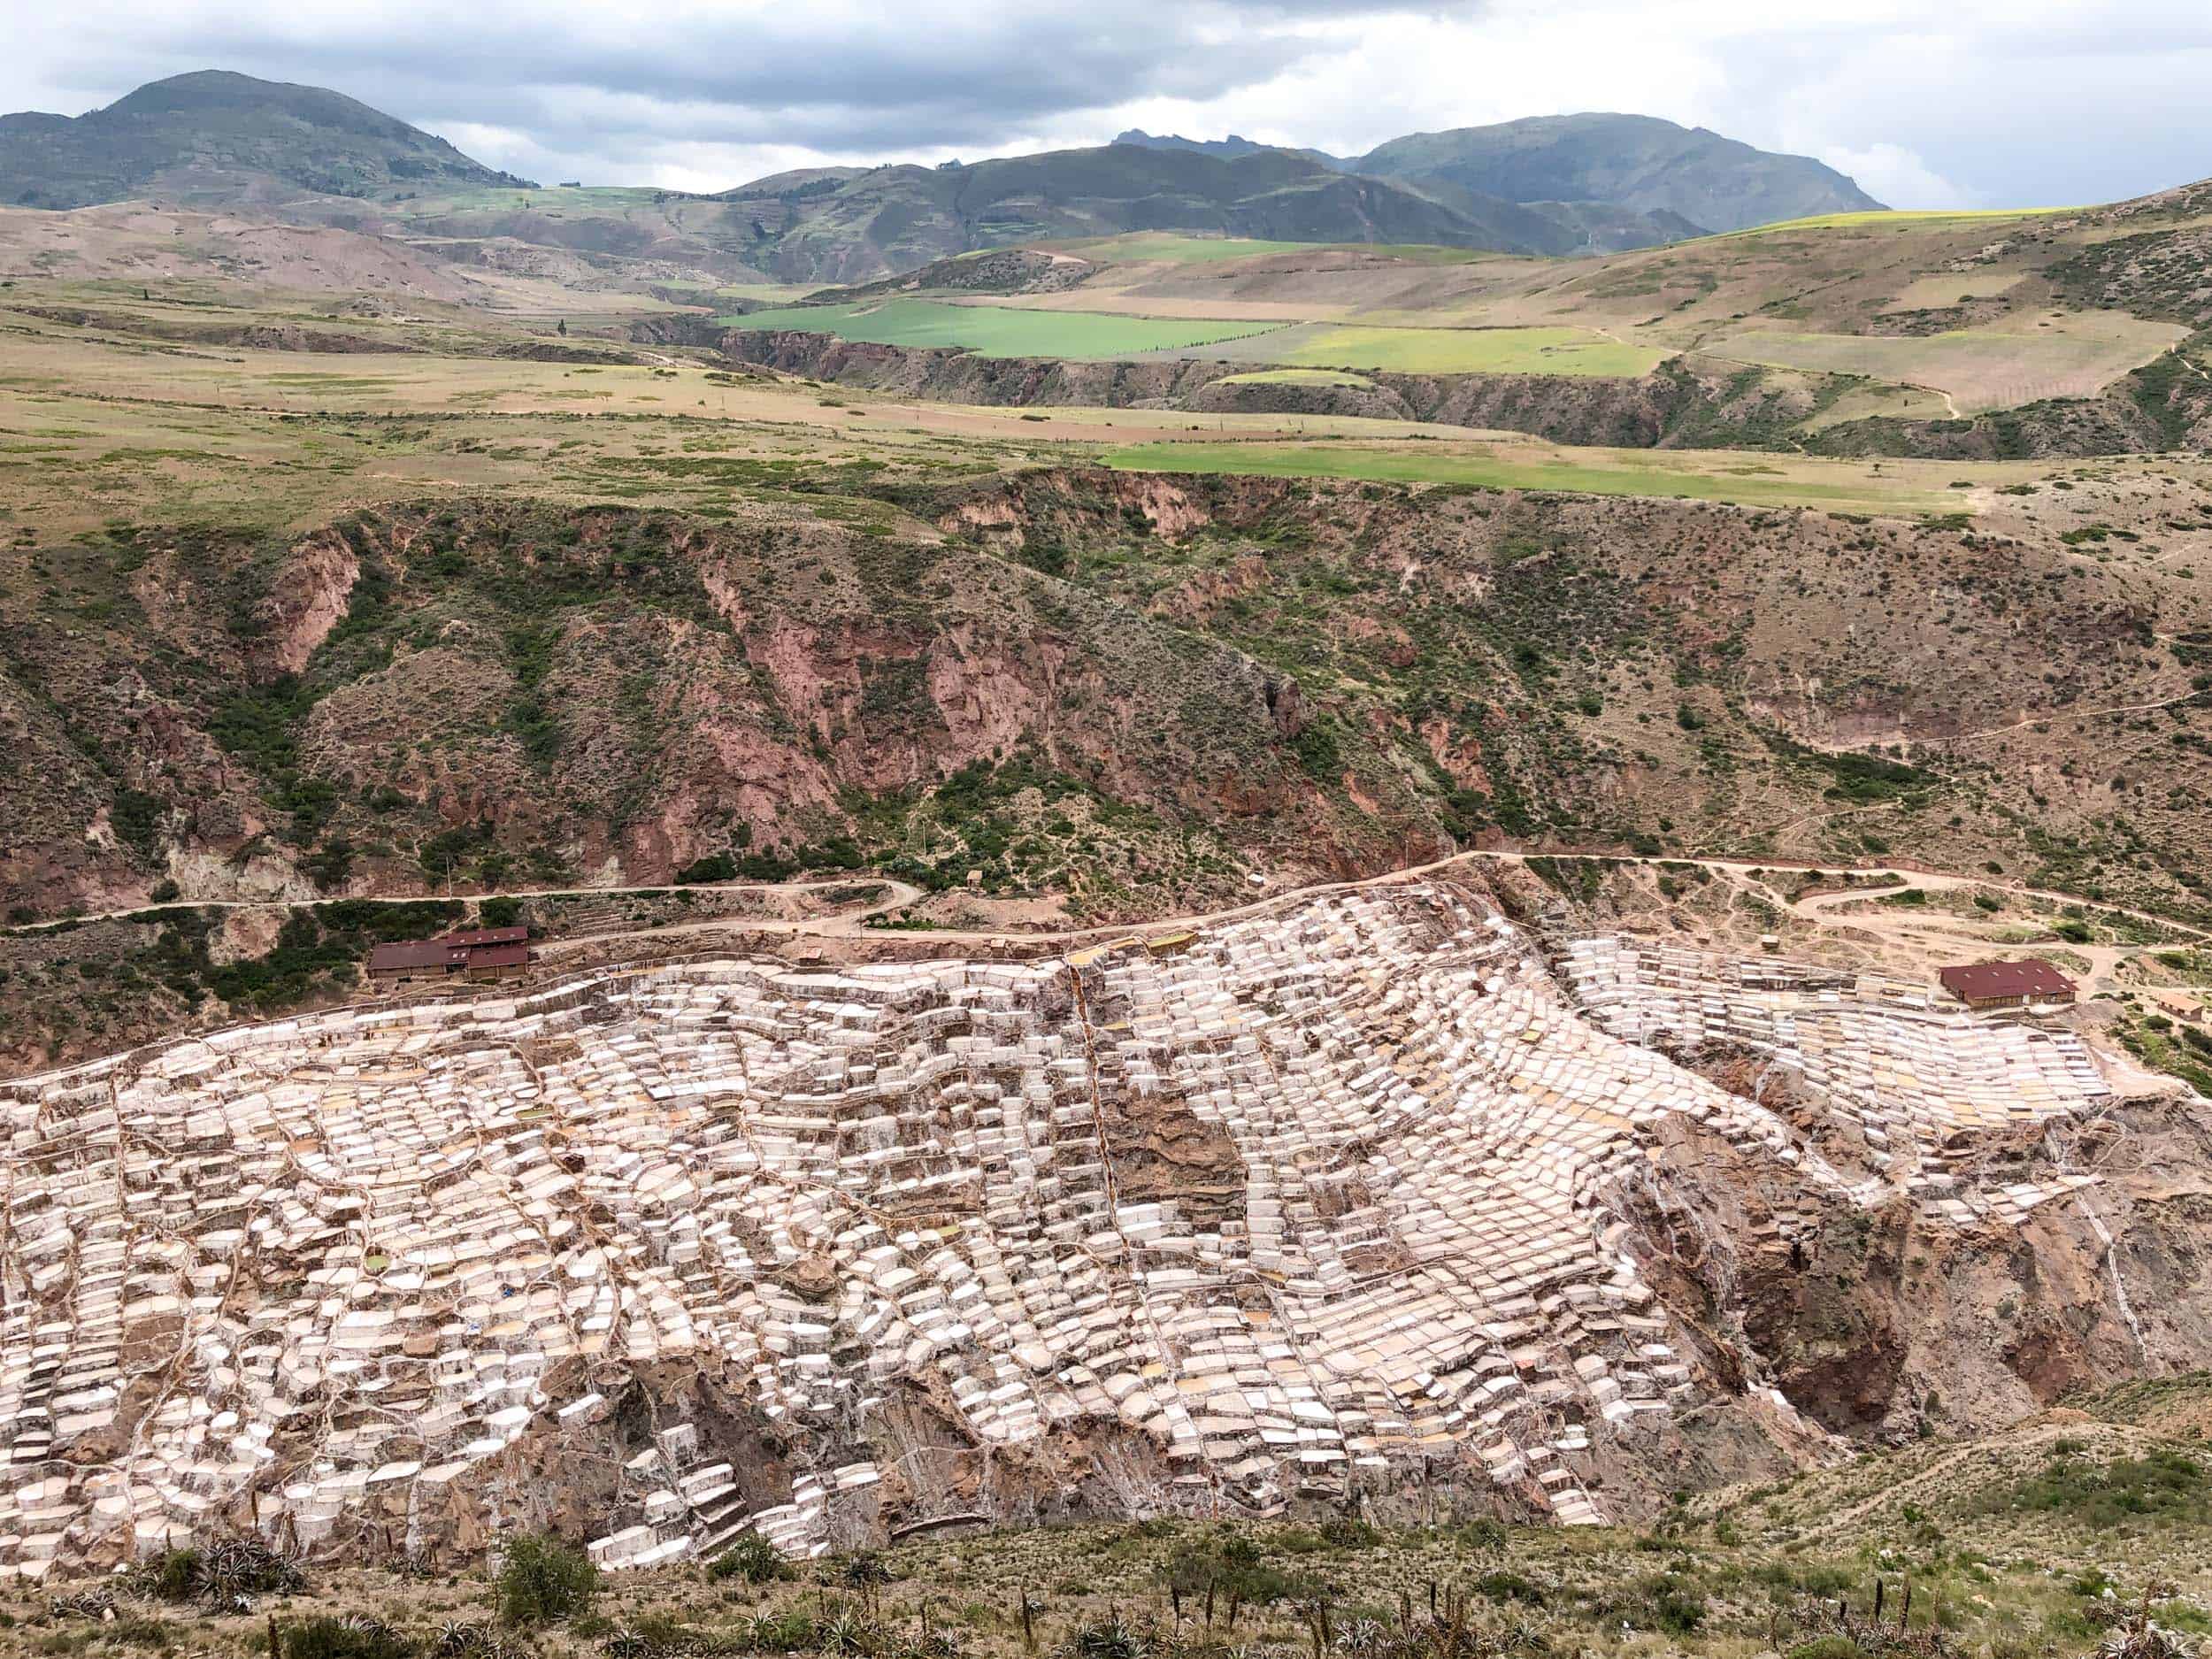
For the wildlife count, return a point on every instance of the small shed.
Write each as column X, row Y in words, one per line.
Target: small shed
column 2028, row 983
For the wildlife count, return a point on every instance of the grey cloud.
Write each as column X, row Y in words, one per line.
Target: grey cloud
column 919, row 78
column 2026, row 101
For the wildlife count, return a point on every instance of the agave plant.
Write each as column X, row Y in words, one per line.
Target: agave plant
column 458, row 1640
column 1113, row 1638
column 1362, row 1636
column 847, row 1633
column 241, row 1567
column 85, row 1604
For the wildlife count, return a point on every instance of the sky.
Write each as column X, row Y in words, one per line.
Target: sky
column 1962, row 104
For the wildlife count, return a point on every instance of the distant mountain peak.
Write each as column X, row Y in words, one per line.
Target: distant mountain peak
column 216, row 135
column 1641, row 162
column 1232, row 146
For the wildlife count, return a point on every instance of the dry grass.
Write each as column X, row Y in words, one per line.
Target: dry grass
column 2006, row 1545
column 119, row 419
column 2021, row 361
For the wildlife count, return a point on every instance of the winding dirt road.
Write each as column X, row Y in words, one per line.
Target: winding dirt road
column 897, row 895
column 1926, row 935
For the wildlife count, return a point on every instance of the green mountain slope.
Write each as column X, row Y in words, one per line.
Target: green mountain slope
column 215, row 135
column 1632, row 161
column 826, row 228
column 1611, row 182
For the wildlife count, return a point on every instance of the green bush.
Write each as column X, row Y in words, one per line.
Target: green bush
column 1678, row 1606
column 1510, row 1586
column 543, row 1582
column 176, row 1576
column 1825, row 1647
column 222, row 1573
column 353, row 1638
column 790, row 1631
column 752, row 1558
column 2165, row 1486
column 1667, row 1602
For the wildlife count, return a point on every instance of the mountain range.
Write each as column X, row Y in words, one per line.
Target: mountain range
column 1563, row 185
column 830, row 226
column 1557, row 185
column 1674, row 175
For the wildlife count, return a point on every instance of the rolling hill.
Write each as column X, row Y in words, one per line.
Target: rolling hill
column 214, row 135
column 1629, row 161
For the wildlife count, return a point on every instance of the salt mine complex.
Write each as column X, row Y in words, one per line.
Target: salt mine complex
column 1309, row 1200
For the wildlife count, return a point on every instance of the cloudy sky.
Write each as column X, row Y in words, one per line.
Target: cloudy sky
column 1963, row 102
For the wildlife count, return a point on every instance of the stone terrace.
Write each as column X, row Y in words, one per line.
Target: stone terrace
column 1925, row 1081
column 1319, row 1192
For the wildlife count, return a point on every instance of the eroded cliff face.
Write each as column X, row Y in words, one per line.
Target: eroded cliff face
column 1637, row 413
column 1688, row 402
column 310, row 596
column 1879, row 1322
column 1191, row 677
column 388, row 702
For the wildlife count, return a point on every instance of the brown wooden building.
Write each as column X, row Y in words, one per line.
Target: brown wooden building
column 473, row 954
column 2030, row 982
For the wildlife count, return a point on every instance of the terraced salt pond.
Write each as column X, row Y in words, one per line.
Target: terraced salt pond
column 1328, row 1191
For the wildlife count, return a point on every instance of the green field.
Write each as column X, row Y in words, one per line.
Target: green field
column 589, row 201
column 1298, row 377
column 1007, row 331
column 1169, row 249
column 1610, row 473
column 1459, row 351
column 769, row 293
column 1139, row 246
column 1001, row 331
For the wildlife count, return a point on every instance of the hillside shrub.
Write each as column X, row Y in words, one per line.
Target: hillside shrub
column 352, row 1638
column 543, row 1581
column 2165, row 1486
column 752, row 1558
column 713, row 867
column 1827, row 1648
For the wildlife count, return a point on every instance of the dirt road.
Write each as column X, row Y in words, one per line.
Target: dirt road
column 1922, row 932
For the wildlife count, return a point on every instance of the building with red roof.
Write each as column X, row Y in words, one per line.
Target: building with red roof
column 2025, row 983
column 472, row 953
